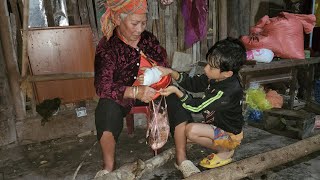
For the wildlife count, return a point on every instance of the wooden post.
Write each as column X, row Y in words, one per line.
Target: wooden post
column 76, row 13
column 261, row 162
column 212, row 24
column 245, row 17
column 15, row 10
column 10, row 57
column 223, row 14
column 61, row 76
column 84, row 16
column 92, row 20
column 25, row 60
column 161, row 23
column 180, row 28
column 258, row 8
column 238, row 18
column 49, row 13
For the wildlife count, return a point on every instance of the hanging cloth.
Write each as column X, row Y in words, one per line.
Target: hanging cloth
column 195, row 14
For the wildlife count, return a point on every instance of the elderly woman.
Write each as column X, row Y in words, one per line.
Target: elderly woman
column 117, row 63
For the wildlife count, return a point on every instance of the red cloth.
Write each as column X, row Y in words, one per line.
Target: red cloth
column 282, row 34
column 147, row 62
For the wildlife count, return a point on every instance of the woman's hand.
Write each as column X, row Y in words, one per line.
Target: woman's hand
column 141, row 77
column 145, row 93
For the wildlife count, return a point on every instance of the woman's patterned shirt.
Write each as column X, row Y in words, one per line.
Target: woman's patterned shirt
column 116, row 65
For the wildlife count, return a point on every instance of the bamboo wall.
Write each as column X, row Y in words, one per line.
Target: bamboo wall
column 225, row 17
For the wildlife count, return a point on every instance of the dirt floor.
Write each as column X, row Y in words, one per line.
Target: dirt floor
column 60, row 158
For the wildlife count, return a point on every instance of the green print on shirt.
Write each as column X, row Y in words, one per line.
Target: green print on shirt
column 204, row 104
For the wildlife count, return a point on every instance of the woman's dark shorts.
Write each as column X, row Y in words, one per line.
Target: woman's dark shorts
column 109, row 115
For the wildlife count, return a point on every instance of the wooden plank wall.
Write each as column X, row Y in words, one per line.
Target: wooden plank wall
column 49, row 49
column 225, row 18
column 168, row 26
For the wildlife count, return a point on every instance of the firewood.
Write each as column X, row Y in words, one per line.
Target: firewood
column 136, row 169
column 261, row 162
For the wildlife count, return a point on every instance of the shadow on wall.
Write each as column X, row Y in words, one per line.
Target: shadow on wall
column 268, row 8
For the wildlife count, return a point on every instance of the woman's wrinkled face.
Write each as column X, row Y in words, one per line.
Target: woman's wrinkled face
column 132, row 26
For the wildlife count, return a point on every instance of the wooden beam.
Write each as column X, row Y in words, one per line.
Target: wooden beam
column 261, row 162
column 245, row 17
column 291, row 114
column 84, row 16
column 25, row 60
column 49, row 13
column 238, row 17
column 92, row 20
column 10, row 57
column 15, row 10
column 62, row 76
column 223, row 19
column 233, row 23
column 283, row 63
column 180, row 27
column 75, row 12
column 212, row 23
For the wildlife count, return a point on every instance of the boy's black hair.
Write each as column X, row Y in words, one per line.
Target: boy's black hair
column 227, row 55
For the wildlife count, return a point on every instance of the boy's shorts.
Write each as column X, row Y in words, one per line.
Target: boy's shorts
column 225, row 139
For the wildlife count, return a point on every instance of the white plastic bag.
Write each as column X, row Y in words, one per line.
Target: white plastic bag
column 260, row 55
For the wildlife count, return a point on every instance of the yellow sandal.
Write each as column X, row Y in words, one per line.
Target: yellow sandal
column 213, row 161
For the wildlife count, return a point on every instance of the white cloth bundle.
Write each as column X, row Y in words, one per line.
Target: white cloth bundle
column 151, row 76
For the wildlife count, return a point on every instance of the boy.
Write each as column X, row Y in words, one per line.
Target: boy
column 221, row 104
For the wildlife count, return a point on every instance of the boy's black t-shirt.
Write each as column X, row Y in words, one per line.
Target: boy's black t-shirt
column 222, row 103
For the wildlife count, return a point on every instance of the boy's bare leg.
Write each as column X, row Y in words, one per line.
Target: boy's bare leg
column 180, row 141
column 202, row 134
column 108, row 145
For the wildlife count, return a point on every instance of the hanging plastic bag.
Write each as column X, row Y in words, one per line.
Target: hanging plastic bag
column 158, row 127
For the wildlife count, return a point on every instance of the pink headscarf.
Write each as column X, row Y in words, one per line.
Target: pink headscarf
column 115, row 7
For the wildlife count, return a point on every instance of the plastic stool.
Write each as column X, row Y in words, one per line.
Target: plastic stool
column 135, row 110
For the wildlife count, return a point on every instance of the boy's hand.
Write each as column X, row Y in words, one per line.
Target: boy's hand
column 169, row 90
column 165, row 71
